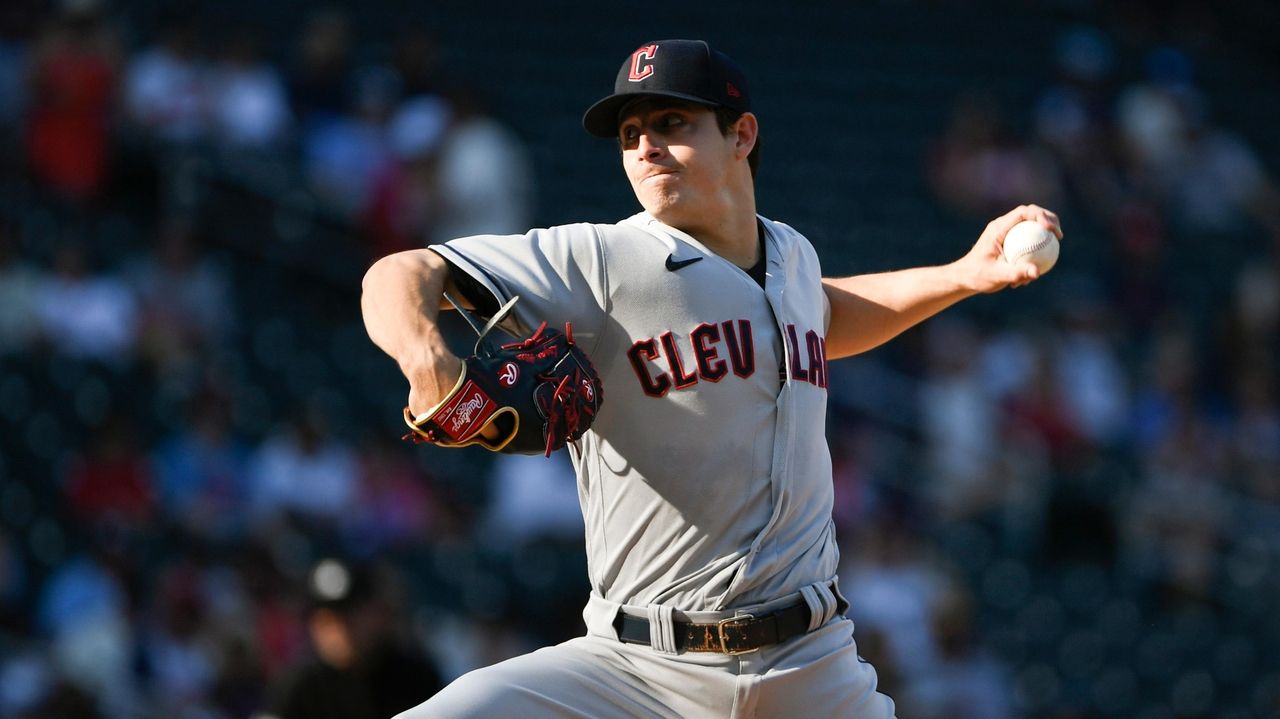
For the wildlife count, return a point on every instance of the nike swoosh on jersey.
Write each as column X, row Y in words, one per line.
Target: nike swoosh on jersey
column 673, row 264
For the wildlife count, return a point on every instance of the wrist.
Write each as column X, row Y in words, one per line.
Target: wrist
column 423, row 351
column 431, row 367
column 961, row 277
column 433, row 375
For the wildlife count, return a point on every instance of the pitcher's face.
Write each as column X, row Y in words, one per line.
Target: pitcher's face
column 675, row 156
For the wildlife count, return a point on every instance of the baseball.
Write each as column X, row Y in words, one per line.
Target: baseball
column 1029, row 241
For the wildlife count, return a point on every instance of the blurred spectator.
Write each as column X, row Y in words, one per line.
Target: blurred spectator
column 1093, row 385
column 362, row 666
column 112, row 480
column 86, row 315
column 1073, row 119
column 894, row 586
column 1178, row 514
column 407, row 198
column 966, row 683
column 466, row 642
column 20, row 285
column 1211, row 179
column 978, row 469
column 305, row 472
column 73, row 79
column 26, row 681
column 202, row 474
column 1171, row 384
column 982, row 167
column 1072, row 114
column 395, row 505
column 485, row 176
column 1035, row 413
column 276, row 618
column 343, row 155
column 533, row 498
column 1255, row 311
column 1252, row 348
column 184, row 297
column 959, row 421
column 318, row 85
column 1154, row 117
column 84, row 610
column 853, row 486
column 247, row 96
column 167, row 85
column 177, row 655
column 1255, row 436
column 341, row 118
column 1223, row 184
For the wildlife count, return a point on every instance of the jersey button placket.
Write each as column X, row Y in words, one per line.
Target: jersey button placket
column 783, row 435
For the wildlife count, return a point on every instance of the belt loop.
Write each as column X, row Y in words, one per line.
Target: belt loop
column 821, row 601
column 662, row 629
column 842, row 603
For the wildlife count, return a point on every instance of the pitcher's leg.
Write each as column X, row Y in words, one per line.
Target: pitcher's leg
column 573, row 680
column 821, row 675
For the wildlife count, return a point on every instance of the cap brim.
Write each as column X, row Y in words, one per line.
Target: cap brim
column 601, row 119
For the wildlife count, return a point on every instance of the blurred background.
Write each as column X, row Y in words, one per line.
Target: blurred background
column 1060, row 502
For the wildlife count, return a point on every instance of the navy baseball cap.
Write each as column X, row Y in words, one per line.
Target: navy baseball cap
column 683, row 69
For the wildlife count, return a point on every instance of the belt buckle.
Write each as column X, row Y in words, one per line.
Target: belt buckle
column 732, row 623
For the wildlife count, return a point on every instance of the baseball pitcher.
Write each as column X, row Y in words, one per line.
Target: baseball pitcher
column 682, row 352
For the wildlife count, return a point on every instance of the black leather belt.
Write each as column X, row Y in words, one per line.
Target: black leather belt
column 735, row 635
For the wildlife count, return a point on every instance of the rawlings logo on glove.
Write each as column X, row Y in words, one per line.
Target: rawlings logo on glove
column 539, row 394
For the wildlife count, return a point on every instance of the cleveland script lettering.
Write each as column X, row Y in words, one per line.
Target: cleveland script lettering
column 737, row 339
column 707, row 341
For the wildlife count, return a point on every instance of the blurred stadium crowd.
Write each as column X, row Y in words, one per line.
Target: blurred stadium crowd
column 1059, row 503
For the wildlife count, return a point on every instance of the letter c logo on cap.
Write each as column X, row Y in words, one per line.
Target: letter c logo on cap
column 642, row 63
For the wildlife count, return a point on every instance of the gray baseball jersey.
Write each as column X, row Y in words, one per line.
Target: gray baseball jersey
column 705, row 481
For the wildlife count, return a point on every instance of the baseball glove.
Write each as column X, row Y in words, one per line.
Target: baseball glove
column 539, row 393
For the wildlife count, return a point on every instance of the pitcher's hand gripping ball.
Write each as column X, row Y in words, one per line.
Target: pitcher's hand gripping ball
column 1029, row 241
column 539, row 393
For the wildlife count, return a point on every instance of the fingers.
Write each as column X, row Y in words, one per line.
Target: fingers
column 1019, row 276
column 1035, row 213
column 1047, row 218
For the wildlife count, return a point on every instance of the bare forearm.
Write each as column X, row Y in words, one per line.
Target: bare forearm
column 401, row 302
column 869, row 310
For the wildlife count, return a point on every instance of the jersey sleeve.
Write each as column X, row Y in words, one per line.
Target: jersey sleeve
column 558, row 273
column 472, row 291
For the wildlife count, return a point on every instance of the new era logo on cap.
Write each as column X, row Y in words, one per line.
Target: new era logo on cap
column 683, row 69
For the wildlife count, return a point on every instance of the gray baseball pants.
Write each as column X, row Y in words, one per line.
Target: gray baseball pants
column 818, row 674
